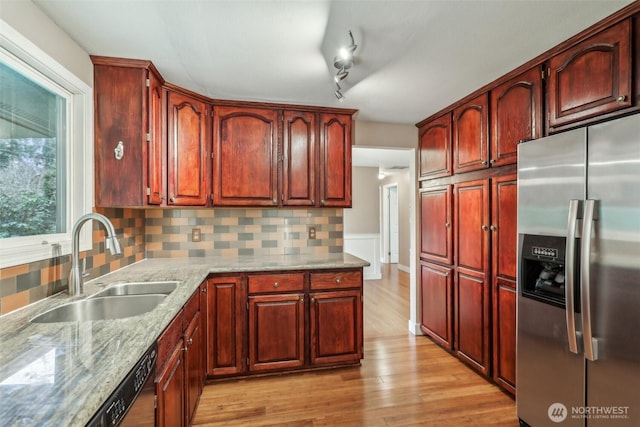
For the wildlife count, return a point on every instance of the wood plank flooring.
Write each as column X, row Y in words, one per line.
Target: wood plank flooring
column 404, row 380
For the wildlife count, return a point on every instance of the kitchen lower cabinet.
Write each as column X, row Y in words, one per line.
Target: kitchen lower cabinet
column 436, row 286
column 276, row 332
column 472, row 320
column 193, row 365
column 504, row 335
column 281, row 321
column 170, row 390
column 225, row 318
column 180, row 366
column 336, row 327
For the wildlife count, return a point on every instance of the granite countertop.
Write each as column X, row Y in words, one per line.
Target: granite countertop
column 61, row 373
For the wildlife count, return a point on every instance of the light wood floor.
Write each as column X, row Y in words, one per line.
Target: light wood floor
column 404, row 380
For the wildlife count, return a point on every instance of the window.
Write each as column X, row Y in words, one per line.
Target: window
column 46, row 169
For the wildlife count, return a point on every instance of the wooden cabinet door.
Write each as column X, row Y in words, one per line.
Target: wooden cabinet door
column 436, row 285
column 504, row 198
column 276, row 331
column 471, row 135
column 245, row 153
column 194, row 365
column 436, row 229
column 472, row 290
column 516, row 115
column 335, row 160
column 471, row 220
column 224, row 312
column 187, row 150
column 434, row 148
column 336, row 327
column 120, row 117
column 591, row 78
column 170, row 391
column 156, row 144
column 299, row 160
column 472, row 320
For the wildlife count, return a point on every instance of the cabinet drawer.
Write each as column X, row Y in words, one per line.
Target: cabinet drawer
column 269, row 283
column 169, row 339
column 336, row 280
column 191, row 308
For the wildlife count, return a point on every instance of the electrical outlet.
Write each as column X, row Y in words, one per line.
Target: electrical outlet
column 312, row 232
column 196, row 236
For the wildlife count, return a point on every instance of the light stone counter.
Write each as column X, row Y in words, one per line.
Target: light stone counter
column 59, row 374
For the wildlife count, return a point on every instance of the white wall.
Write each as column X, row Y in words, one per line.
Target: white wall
column 26, row 18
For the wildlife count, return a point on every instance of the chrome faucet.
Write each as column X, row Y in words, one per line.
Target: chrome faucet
column 110, row 242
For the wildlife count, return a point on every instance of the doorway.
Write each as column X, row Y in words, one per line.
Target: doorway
column 390, row 227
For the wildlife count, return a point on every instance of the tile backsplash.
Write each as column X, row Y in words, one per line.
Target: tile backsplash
column 155, row 233
column 27, row 283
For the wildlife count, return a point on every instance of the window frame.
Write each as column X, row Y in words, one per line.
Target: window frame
column 78, row 154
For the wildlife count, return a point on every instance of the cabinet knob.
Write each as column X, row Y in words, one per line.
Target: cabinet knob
column 322, row 202
column 447, row 224
column 172, row 199
column 275, row 201
column 493, row 228
column 484, row 163
column 485, row 227
column 492, row 161
column 622, row 98
column 301, row 299
column 276, row 284
column 190, row 341
column 338, row 280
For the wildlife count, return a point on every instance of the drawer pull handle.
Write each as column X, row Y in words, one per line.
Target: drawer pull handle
column 276, row 284
column 338, row 280
column 622, row 98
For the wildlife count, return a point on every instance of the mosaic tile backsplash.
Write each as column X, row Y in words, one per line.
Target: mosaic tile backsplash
column 235, row 232
column 27, row 283
column 166, row 233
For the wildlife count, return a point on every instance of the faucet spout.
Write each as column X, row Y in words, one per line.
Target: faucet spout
column 111, row 243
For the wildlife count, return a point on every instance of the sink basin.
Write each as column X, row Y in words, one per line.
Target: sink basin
column 113, row 307
column 138, row 288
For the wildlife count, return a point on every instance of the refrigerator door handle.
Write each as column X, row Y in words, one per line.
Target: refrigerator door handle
column 590, row 343
column 574, row 211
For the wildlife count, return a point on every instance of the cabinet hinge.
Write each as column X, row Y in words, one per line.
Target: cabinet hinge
column 148, row 137
column 148, row 83
column 148, row 191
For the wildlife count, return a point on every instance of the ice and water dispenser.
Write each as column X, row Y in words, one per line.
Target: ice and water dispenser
column 542, row 268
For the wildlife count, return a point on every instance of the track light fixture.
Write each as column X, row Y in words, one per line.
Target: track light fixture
column 343, row 61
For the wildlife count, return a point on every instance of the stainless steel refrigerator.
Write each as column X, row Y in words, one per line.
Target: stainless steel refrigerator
column 578, row 339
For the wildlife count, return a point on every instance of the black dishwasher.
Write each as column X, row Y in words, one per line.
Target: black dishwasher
column 133, row 402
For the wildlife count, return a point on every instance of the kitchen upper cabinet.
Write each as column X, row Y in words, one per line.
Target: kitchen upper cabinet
column 471, row 135
column 187, row 136
column 245, row 153
column 335, row 160
column 128, row 132
column 225, row 317
column 591, row 78
column 299, row 148
column 436, row 286
column 472, row 290
column 436, row 231
column 434, row 148
column 156, row 147
column 504, row 196
column 516, row 115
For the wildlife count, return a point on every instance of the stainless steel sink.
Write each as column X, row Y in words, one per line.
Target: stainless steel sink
column 112, row 307
column 138, row 288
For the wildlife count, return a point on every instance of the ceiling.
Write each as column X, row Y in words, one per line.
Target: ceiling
column 413, row 57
